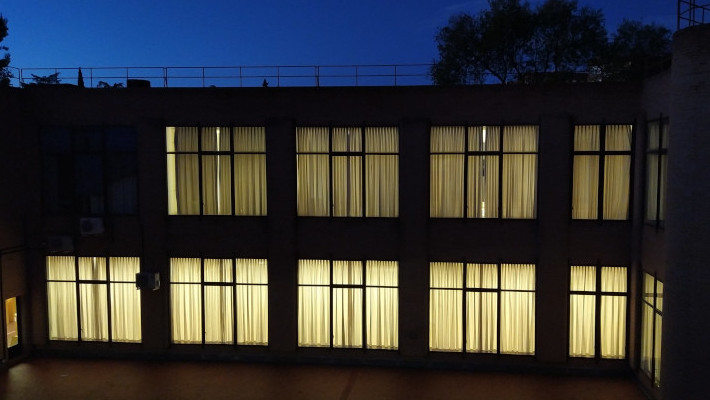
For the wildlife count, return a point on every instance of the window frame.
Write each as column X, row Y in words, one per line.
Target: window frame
column 599, row 294
column 361, row 154
column 498, row 290
column 500, row 156
column 657, row 319
column 661, row 175
column 200, row 156
column 602, row 153
column 108, row 282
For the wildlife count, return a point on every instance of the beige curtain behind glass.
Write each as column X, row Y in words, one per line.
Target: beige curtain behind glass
column 61, row 299
column 312, row 176
column 482, row 308
column 382, row 304
column 617, row 173
column 446, row 172
column 445, row 301
column 249, row 171
column 483, row 186
column 185, row 300
column 252, row 302
column 347, row 186
column 125, row 299
column 183, row 171
column 519, row 172
column 347, row 304
column 517, row 313
column 219, row 301
column 652, row 160
column 613, row 313
column 382, row 172
column 582, row 311
column 93, row 299
column 216, row 171
column 313, row 303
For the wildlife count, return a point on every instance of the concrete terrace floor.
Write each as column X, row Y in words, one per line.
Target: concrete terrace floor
column 57, row 378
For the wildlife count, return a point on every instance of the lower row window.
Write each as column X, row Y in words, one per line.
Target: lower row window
column 651, row 326
column 482, row 308
column 346, row 304
column 214, row 301
column 93, row 299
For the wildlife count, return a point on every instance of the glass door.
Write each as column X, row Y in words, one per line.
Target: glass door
column 13, row 327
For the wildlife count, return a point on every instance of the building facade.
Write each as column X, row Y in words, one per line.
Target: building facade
column 465, row 227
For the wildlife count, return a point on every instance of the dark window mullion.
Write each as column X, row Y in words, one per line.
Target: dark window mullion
column 234, row 298
column 597, row 311
column 78, row 298
column 498, row 300
column 202, row 294
column 108, row 299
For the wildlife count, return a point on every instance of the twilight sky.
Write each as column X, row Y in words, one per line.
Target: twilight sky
column 101, row 33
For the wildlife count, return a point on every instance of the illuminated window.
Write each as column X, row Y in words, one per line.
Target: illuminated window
column 214, row 300
column 499, row 314
column 601, row 151
column 348, row 172
column 651, row 325
column 473, row 175
column 335, row 296
column 656, row 171
column 597, row 323
column 107, row 303
column 216, row 170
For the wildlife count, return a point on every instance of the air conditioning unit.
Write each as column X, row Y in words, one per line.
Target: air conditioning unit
column 148, row 281
column 91, row 226
column 60, row 244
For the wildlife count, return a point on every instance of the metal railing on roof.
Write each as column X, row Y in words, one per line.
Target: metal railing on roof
column 690, row 13
column 241, row 76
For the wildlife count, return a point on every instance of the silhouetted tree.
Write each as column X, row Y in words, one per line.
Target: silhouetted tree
column 636, row 51
column 80, row 79
column 512, row 42
column 5, row 73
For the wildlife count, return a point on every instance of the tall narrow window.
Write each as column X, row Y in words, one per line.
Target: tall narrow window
column 471, row 308
column 348, row 172
column 101, row 305
column 656, row 171
column 216, row 170
column 342, row 304
column 212, row 300
column 598, row 312
column 473, row 175
column 651, row 325
column 602, row 172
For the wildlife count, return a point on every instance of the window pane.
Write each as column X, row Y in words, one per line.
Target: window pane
column 347, row 273
column 382, row 318
column 312, row 140
column 481, row 322
column 219, row 309
column 520, row 138
column 519, row 185
column 446, row 191
column 381, row 140
column 347, row 186
column 250, row 270
column 517, row 323
column 586, row 138
column 614, row 279
column 185, row 270
column 94, row 312
column 252, row 314
column 382, row 185
column 617, row 172
column 446, row 275
column 585, row 187
column 581, row 325
column 618, row 137
column 482, row 276
column 613, row 326
column 583, row 278
column 250, row 184
column 92, row 268
column 381, row 273
column 445, row 320
column 483, row 186
column 125, row 312
column 60, row 268
column 62, row 311
column 186, row 313
column 314, row 316
column 347, row 139
column 447, row 139
column 646, row 339
column 218, row 270
column 484, row 138
column 216, row 139
column 217, row 185
column 313, row 185
column 183, row 184
column 249, row 139
column 347, row 317
column 313, row 272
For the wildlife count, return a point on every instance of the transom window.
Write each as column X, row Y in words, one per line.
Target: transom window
column 348, row 304
column 482, row 308
column 348, row 171
column 602, row 172
column 483, row 171
column 597, row 323
column 651, row 327
column 212, row 301
column 102, row 305
column 656, row 171
column 216, row 170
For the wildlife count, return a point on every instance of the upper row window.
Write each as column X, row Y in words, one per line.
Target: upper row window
column 348, row 172
column 483, row 171
column 216, row 170
column 656, row 171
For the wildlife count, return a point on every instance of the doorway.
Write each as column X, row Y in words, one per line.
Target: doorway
column 12, row 324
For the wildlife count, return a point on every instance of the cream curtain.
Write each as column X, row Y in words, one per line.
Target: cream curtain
column 61, row 298
column 185, row 300
column 347, row 172
column 313, row 303
column 250, row 170
column 483, row 186
column 382, row 172
column 582, row 320
column 519, row 172
column 216, row 171
column 125, row 299
column 183, row 171
column 93, row 299
column 347, row 304
column 446, row 172
column 517, row 313
column 445, row 302
column 313, row 183
column 613, row 313
column 652, row 160
column 381, row 308
column 482, row 308
column 617, row 172
column 219, row 301
column 252, row 302
column 585, row 174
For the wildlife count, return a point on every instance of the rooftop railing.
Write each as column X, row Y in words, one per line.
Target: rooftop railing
column 690, row 13
column 256, row 76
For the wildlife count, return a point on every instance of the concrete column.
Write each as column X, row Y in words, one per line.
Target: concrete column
column 686, row 315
